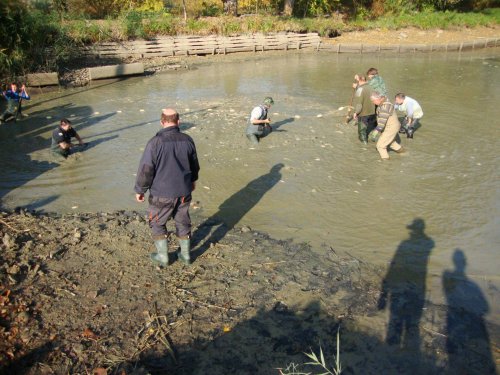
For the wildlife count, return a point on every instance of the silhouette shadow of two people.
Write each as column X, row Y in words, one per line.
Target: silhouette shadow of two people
column 404, row 289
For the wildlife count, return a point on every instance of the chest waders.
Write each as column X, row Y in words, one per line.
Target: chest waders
column 255, row 132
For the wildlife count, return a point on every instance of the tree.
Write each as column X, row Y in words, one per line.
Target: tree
column 230, row 7
column 288, row 9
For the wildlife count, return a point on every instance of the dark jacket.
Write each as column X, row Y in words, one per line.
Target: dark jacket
column 169, row 165
column 363, row 105
column 60, row 135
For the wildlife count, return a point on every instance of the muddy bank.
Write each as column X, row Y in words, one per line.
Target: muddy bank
column 76, row 74
column 80, row 296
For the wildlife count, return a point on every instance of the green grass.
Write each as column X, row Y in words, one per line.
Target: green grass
column 432, row 20
column 315, row 361
column 137, row 25
column 39, row 32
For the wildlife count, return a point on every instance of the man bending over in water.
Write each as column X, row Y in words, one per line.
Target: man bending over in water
column 61, row 138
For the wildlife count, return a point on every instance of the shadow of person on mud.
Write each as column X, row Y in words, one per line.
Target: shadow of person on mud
column 269, row 340
column 467, row 340
column 67, row 93
column 277, row 336
column 233, row 209
column 25, row 364
column 186, row 125
column 276, row 126
column 39, row 203
column 18, row 165
column 404, row 288
column 76, row 149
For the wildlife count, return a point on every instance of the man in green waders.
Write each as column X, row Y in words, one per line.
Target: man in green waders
column 258, row 124
column 364, row 109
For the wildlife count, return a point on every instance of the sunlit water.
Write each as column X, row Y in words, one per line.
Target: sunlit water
column 331, row 190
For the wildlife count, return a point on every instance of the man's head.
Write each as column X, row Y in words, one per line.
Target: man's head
column 13, row 86
column 372, row 72
column 65, row 123
column 268, row 102
column 377, row 98
column 169, row 117
column 399, row 98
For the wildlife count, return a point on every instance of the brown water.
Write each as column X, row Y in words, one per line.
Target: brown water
column 330, row 190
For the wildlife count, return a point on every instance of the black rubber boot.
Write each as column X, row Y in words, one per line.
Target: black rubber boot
column 409, row 132
column 363, row 137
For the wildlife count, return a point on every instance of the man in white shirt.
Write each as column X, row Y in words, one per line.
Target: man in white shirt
column 258, row 124
column 413, row 113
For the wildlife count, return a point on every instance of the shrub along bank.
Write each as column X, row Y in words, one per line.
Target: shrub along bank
column 34, row 40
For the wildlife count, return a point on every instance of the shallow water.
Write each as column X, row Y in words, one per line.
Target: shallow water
column 330, row 189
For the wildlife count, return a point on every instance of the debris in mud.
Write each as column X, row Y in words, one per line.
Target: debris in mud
column 77, row 292
column 79, row 286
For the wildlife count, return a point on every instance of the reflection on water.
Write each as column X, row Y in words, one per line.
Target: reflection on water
column 332, row 189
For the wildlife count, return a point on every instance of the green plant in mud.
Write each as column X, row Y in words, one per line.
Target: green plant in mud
column 294, row 369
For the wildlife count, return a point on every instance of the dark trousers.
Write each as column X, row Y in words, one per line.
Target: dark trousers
column 61, row 152
column 7, row 116
column 365, row 125
column 264, row 131
column 162, row 209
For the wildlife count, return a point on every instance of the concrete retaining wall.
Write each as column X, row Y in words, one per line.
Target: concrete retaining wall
column 197, row 45
column 42, row 79
column 112, row 71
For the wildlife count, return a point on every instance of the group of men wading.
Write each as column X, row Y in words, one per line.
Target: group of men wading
column 377, row 117
column 169, row 165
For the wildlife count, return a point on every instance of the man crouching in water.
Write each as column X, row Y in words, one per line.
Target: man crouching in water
column 387, row 127
column 61, row 138
column 168, row 169
column 259, row 124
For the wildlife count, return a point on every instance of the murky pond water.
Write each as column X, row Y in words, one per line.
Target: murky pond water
column 311, row 179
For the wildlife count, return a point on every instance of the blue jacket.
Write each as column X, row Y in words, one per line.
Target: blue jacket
column 169, row 165
column 13, row 99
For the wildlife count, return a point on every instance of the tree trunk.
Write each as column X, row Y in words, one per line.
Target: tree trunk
column 231, row 7
column 288, row 9
column 184, row 9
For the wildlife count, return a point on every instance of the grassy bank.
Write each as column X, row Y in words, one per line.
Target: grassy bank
column 37, row 41
column 135, row 25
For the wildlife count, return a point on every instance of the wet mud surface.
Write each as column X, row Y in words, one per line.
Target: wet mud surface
column 79, row 295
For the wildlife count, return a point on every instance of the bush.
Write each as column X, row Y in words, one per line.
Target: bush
column 210, row 9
